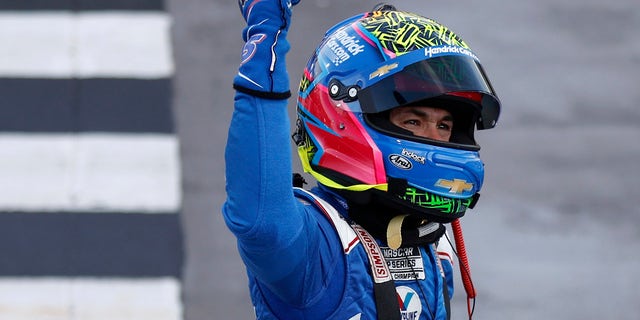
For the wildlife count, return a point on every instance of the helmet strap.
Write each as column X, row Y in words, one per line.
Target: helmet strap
column 427, row 232
column 397, row 230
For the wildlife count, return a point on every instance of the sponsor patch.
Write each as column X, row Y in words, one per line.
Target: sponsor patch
column 404, row 263
column 412, row 155
column 444, row 50
column 379, row 270
column 344, row 46
column 400, row 161
column 410, row 304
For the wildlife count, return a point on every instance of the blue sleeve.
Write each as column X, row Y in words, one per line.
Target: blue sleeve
column 286, row 245
column 278, row 240
column 260, row 208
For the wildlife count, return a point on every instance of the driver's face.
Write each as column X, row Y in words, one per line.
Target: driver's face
column 426, row 122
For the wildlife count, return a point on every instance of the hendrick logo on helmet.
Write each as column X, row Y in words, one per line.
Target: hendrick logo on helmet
column 435, row 51
column 344, row 46
column 349, row 42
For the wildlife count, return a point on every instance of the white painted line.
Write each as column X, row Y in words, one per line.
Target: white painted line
column 90, row 299
column 84, row 45
column 89, row 172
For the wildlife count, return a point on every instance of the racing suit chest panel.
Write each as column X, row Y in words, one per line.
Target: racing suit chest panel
column 348, row 291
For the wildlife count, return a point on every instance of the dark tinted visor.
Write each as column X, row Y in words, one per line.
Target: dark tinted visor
column 427, row 79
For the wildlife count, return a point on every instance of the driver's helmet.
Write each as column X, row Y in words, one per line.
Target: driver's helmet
column 374, row 62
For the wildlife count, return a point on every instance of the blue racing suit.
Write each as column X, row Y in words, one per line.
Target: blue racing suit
column 303, row 260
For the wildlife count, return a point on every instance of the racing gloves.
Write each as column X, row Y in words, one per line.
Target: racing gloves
column 263, row 72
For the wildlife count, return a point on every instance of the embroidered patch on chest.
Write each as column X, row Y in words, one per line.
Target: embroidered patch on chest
column 404, row 263
column 410, row 305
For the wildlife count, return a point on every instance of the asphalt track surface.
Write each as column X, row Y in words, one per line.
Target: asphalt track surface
column 556, row 233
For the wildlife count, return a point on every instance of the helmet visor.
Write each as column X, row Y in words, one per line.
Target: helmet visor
column 431, row 78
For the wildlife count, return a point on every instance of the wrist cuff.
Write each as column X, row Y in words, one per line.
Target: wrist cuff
column 263, row 94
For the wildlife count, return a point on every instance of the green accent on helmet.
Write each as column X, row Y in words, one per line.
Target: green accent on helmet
column 435, row 202
column 304, row 83
column 401, row 32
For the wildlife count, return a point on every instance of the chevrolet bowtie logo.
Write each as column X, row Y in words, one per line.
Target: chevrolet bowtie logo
column 383, row 70
column 455, row 186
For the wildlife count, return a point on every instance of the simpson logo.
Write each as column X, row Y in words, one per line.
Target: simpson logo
column 404, row 263
column 379, row 268
column 400, row 161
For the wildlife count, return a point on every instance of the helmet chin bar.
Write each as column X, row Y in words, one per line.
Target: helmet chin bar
column 393, row 201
